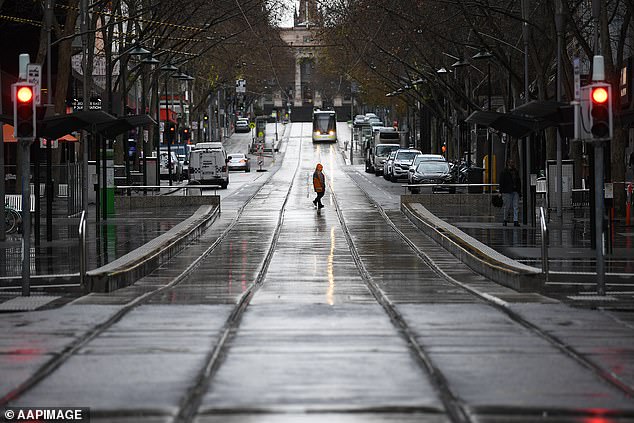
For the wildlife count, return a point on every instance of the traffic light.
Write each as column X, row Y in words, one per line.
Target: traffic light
column 23, row 110
column 186, row 136
column 170, row 132
column 601, row 110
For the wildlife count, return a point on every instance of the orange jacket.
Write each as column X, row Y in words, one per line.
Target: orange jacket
column 319, row 181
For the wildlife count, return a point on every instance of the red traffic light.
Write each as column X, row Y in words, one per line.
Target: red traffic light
column 599, row 95
column 24, row 94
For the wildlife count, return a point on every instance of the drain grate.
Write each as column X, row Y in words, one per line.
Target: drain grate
column 27, row 303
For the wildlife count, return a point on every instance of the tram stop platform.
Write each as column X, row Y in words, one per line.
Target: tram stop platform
column 143, row 233
column 471, row 228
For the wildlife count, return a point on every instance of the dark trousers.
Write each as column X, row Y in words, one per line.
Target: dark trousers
column 318, row 199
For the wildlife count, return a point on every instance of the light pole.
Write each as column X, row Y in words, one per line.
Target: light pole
column 135, row 51
column 559, row 23
column 461, row 63
column 443, row 72
column 485, row 55
column 168, row 69
column 151, row 61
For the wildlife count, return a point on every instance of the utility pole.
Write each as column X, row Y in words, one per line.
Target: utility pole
column 559, row 23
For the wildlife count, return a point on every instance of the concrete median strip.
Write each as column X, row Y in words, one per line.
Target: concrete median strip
column 480, row 257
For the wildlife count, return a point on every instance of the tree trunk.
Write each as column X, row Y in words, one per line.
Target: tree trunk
column 63, row 57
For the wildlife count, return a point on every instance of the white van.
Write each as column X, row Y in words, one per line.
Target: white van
column 208, row 164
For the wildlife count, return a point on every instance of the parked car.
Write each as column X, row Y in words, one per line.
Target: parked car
column 402, row 161
column 242, row 125
column 387, row 166
column 381, row 154
column 184, row 162
column 421, row 158
column 239, row 161
column 433, row 172
column 359, row 120
column 177, row 169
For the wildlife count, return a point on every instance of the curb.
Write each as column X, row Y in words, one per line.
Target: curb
column 478, row 256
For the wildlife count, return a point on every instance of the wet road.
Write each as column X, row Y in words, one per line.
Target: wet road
column 283, row 313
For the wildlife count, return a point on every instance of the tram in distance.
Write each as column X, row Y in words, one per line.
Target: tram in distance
column 324, row 126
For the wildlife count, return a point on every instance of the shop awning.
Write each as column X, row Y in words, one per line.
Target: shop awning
column 7, row 131
column 97, row 121
column 123, row 124
column 528, row 118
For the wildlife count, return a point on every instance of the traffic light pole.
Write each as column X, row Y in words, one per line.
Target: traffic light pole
column 598, row 219
column 25, row 146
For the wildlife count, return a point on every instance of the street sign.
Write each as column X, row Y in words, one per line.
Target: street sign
column 34, row 76
column 252, row 125
column 608, row 189
column 241, row 86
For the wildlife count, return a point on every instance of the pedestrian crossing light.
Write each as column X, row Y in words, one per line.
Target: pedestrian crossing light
column 601, row 111
column 23, row 110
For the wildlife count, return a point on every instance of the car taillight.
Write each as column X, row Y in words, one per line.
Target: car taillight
column 243, row 161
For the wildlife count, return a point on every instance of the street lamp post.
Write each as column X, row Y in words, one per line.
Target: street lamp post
column 151, row 61
column 442, row 72
column 135, row 51
column 169, row 68
column 559, row 23
column 461, row 63
column 485, row 55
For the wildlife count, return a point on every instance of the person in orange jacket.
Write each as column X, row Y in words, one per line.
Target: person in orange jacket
column 319, row 184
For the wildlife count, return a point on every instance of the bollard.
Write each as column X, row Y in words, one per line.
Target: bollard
column 628, row 204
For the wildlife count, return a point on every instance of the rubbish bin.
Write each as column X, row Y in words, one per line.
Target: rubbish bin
column 475, row 176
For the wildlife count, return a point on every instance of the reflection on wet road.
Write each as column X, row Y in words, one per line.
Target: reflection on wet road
column 313, row 342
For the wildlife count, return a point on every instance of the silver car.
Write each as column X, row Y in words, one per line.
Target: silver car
column 422, row 158
column 433, row 172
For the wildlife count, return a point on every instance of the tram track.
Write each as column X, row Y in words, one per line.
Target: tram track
column 69, row 351
column 189, row 405
column 457, row 409
column 192, row 400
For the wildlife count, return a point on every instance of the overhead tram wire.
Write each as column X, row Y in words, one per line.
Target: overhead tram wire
column 268, row 51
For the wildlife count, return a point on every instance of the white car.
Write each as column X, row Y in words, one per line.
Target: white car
column 239, row 161
column 242, row 125
column 177, row 169
column 387, row 166
column 402, row 161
